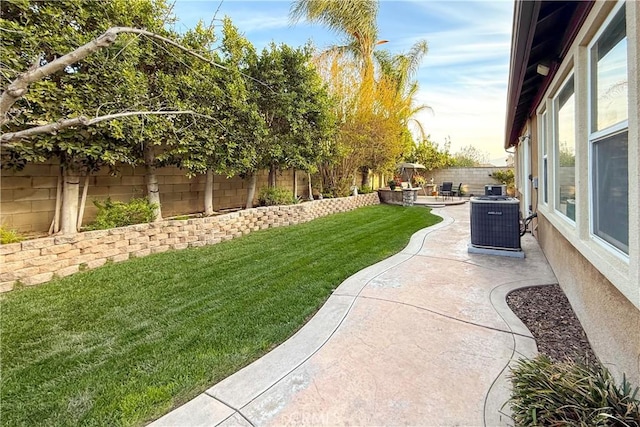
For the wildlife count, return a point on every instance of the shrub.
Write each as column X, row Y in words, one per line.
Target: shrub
column 275, row 196
column 504, row 177
column 9, row 236
column 365, row 189
column 119, row 214
column 570, row 393
column 330, row 193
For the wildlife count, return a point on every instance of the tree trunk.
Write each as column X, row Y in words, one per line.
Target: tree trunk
column 83, row 201
column 295, row 184
column 153, row 192
column 272, row 176
column 55, row 224
column 70, row 192
column 365, row 177
column 310, row 189
column 251, row 189
column 208, row 194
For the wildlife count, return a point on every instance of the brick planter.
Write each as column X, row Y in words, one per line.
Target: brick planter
column 37, row 261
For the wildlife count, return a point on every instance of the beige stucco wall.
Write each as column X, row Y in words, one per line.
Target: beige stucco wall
column 610, row 320
column 601, row 283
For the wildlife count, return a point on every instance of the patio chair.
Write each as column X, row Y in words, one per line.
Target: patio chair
column 458, row 192
column 446, row 190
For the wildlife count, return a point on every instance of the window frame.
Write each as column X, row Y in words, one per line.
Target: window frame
column 555, row 145
column 543, row 183
column 597, row 136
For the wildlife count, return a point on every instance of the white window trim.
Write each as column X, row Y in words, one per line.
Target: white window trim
column 622, row 273
column 543, row 141
column 597, row 135
column 556, row 148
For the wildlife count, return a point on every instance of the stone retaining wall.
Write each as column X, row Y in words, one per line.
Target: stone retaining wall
column 37, row 261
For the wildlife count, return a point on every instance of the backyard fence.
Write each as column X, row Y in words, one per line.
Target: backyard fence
column 473, row 179
column 29, row 196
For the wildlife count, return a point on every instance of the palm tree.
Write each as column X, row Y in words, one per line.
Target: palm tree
column 355, row 19
column 399, row 71
column 402, row 68
column 374, row 112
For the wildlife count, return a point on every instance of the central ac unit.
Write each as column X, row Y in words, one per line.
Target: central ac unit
column 495, row 190
column 495, row 222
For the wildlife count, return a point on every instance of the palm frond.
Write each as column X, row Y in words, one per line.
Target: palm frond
column 354, row 18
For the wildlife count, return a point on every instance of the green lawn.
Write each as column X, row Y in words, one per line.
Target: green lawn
column 125, row 343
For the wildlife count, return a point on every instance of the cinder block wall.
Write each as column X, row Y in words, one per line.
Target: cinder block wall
column 27, row 199
column 37, row 261
column 473, row 179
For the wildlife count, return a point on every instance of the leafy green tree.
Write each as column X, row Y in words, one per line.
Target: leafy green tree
column 142, row 86
column 196, row 143
column 430, row 155
column 240, row 123
column 38, row 33
column 295, row 107
column 470, row 156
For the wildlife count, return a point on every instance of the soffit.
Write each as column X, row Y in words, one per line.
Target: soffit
column 542, row 34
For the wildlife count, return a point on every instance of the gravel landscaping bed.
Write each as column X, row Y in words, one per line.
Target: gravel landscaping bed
column 547, row 313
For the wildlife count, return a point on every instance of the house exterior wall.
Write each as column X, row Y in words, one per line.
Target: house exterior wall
column 28, row 197
column 601, row 283
column 610, row 320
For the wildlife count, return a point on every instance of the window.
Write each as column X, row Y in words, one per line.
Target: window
column 545, row 158
column 609, row 134
column 565, row 151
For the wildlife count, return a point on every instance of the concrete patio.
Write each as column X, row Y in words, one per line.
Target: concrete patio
column 424, row 337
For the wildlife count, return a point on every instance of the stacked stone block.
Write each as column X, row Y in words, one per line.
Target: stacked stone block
column 37, row 261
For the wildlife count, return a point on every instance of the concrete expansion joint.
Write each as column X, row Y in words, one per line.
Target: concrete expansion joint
column 328, row 338
column 457, row 319
column 235, row 410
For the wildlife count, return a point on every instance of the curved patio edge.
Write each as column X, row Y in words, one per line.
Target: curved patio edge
column 272, row 386
column 226, row 398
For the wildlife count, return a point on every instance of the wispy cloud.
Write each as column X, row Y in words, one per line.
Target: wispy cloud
column 255, row 21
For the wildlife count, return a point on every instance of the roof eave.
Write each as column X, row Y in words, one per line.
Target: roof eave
column 524, row 25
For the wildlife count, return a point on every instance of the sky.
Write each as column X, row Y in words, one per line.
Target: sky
column 463, row 77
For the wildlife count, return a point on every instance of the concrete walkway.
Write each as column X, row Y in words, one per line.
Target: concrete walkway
column 422, row 338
